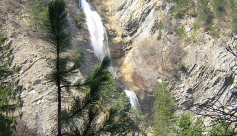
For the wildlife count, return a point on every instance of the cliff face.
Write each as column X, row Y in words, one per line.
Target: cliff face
column 30, row 53
column 146, row 49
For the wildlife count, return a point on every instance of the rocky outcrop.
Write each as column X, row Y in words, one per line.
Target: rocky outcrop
column 208, row 78
column 196, row 67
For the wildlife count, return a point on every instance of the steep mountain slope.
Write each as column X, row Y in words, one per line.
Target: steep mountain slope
column 149, row 44
column 30, row 53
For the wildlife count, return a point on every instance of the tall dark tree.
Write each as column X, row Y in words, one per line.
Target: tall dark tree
column 55, row 25
column 10, row 100
column 93, row 113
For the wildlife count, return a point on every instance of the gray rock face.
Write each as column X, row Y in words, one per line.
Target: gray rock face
column 208, row 79
column 207, row 76
column 30, row 53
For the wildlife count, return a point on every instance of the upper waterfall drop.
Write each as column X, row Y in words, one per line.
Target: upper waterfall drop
column 97, row 31
column 99, row 41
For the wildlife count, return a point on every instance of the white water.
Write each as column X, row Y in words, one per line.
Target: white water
column 99, row 41
column 97, row 31
column 133, row 99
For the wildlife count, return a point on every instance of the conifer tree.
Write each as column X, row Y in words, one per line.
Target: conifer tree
column 55, row 25
column 164, row 111
column 82, row 118
column 94, row 112
column 10, row 100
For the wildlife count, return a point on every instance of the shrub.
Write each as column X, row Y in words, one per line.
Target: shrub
column 193, row 14
column 221, row 127
column 78, row 22
column 181, row 8
column 218, row 6
column 160, row 25
column 196, row 26
column 180, row 31
column 2, row 38
column 17, row 69
column 182, row 66
column 188, row 126
column 205, row 15
column 234, row 28
column 215, row 31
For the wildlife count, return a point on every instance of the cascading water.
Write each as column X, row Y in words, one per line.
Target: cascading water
column 99, row 41
column 97, row 31
column 98, row 34
column 133, row 99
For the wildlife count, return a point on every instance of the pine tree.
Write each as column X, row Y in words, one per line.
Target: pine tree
column 164, row 111
column 55, row 25
column 10, row 100
column 94, row 114
column 82, row 118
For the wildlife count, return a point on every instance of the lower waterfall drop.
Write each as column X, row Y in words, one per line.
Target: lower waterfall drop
column 99, row 41
column 133, row 99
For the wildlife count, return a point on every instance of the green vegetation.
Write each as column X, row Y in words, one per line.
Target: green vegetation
column 164, row 111
column 218, row 6
column 38, row 12
column 55, row 26
column 220, row 127
column 2, row 38
column 17, row 69
column 166, row 123
column 160, row 25
column 182, row 66
column 215, row 31
column 10, row 100
column 78, row 22
column 180, row 31
column 181, row 8
column 91, row 107
column 206, row 12
column 189, row 126
column 76, row 56
column 193, row 14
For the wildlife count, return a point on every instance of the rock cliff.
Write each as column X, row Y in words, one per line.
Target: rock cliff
column 30, row 53
column 146, row 49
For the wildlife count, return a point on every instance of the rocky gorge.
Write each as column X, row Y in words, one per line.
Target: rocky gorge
column 145, row 48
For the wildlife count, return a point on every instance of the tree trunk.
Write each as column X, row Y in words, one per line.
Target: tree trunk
column 59, row 91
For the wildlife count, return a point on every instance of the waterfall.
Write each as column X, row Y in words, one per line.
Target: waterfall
column 98, row 34
column 133, row 99
column 99, row 41
column 97, row 31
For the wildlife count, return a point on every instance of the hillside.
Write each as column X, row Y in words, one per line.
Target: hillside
column 183, row 44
